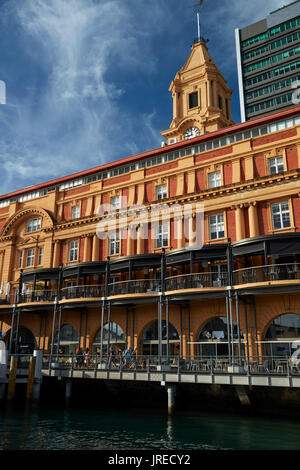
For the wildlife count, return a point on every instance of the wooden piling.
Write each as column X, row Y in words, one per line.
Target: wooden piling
column 31, row 376
column 11, row 387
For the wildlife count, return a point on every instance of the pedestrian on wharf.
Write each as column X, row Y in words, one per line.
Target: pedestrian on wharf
column 128, row 352
column 133, row 359
column 87, row 357
column 79, row 357
column 112, row 354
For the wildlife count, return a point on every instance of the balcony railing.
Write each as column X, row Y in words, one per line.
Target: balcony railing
column 76, row 292
column 196, row 281
column 134, row 287
column 267, row 273
column 37, row 296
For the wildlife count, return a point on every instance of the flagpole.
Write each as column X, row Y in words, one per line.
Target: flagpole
column 198, row 21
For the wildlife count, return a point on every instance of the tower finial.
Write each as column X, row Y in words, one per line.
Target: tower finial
column 199, row 4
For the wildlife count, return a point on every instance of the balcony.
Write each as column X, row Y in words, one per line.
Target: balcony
column 39, row 295
column 79, row 292
column 141, row 286
column 267, row 273
column 196, row 281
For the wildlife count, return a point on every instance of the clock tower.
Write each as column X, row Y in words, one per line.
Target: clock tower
column 201, row 98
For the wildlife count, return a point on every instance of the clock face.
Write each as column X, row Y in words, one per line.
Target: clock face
column 191, row 132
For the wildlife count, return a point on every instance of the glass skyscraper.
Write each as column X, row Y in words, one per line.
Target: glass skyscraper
column 268, row 61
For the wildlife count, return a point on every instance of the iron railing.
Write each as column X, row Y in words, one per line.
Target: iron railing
column 138, row 286
column 76, row 292
column 38, row 295
column 196, row 281
column 267, row 273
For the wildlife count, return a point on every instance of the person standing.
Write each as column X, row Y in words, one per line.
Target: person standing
column 87, row 357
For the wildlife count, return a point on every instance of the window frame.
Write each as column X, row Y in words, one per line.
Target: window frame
column 73, row 248
column 161, row 192
column 281, row 213
column 114, row 244
column 210, row 180
column 77, row 211
column 217, row 224
column 160, row 240
column 30, row 255
column 32, row 226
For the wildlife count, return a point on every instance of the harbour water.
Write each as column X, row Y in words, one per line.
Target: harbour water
column 58, row 428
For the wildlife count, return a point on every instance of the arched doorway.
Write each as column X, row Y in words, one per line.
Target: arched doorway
column 282, row 336
column 25, row 343
column 113, row 336
column 213, row 339
column 150, row 342
column 68, row 340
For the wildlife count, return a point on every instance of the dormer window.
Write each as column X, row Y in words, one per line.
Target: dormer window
column 34, row 225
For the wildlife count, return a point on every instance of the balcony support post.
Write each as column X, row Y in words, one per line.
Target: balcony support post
column 102, row 331
column 53, row 328
column 109, row 325
column 228, row 327
column 17, row 330
column 12, row 325
column 167, row 325
column 246, row 330
column 132, row 327
column 255, row 327
column 59, row 327
column 238, row 324
column 160, row 325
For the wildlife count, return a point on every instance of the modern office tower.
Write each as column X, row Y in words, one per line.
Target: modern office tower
column 268, row 62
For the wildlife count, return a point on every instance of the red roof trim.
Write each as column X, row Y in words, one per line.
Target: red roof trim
column 150, row 153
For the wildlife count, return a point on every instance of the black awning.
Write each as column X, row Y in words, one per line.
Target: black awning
column 187, row 255
column 97, row 267
column 277, row 244
column 148, row 260
column 41, row 275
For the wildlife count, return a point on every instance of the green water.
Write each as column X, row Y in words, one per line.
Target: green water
column 142, row 429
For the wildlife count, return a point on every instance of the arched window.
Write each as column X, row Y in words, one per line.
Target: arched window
column 213, row 339
column 25, row 342
column 68, row 340
column 149, row 341
column 113, row 336
column 281, row 335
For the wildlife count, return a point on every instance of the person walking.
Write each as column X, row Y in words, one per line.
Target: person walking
column 87, row 357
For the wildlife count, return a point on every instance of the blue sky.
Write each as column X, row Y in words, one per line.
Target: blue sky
column 87, row 80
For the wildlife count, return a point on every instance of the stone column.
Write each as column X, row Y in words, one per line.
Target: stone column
column 95, row 249
column 253, row 220
column 240, row 222
column 140, row 240
column 56, row 253
column 87, row 249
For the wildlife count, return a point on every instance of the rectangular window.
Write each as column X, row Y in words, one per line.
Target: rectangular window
column 30, row 257
column 214, row 179
column 216, row 226
column 114, row 244
column 40, row 255
column 161, row 191
column 75, row 212
column 276, row 165
column 20, row 264
column 73, row 250
column 115, row 203
column 162, row 236
column 34, row 225
column 281, row 215
column 193, row 100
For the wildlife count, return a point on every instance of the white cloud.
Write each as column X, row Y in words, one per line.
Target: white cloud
column 74, row 121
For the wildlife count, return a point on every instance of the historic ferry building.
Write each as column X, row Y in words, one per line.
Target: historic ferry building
column 65, row 286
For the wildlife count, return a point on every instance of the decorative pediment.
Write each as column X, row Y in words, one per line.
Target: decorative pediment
column 16, row 219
